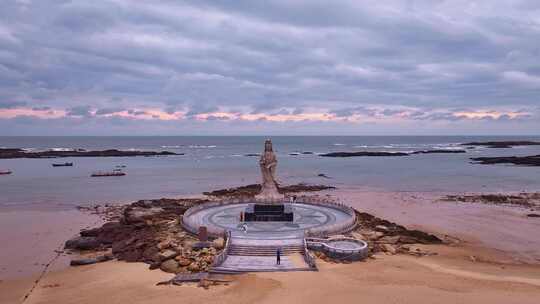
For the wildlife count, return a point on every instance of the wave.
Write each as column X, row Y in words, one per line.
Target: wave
column 201, row 147
column 172, row 147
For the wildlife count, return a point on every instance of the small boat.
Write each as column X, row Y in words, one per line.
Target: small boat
column 120, row 166
column 63, row 165
column 113, row 173
column 5, row 172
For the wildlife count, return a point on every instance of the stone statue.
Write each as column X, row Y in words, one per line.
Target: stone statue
column 268, row 164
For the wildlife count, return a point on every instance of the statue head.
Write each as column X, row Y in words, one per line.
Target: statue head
column 268, row 145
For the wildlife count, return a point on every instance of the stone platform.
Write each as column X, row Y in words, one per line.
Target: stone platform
column 221, row 218
column 252, row 246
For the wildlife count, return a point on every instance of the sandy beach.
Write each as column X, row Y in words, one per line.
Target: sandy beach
column 446, row 278
column 492, row 258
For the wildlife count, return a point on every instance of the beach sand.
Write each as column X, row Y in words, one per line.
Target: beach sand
column 445, row 278
column 496, row 260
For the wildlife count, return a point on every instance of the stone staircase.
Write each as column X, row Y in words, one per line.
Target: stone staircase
column 257, row 252
column 243, row 250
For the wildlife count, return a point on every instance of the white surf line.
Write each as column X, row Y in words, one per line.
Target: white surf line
column 477, row 275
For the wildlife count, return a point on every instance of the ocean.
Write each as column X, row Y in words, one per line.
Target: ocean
column 211, row 163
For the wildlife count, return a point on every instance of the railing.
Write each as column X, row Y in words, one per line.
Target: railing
column 191, row 223
column 310, row 260
column 220, row 258
column 323, row 245
column 337, row 228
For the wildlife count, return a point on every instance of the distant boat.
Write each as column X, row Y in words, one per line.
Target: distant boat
column 63, row 165
column 113, row 173
column 6, row 172
column 121, row 166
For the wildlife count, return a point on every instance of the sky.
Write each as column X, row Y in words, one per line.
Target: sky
column 243, row 67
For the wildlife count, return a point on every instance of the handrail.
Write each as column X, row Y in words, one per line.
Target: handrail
column 310, row 261
column 220, row 258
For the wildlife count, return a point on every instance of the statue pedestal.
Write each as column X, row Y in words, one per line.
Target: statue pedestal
column 270, row 196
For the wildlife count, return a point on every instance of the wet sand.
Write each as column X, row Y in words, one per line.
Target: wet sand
column 496, row 261
column 29, row 238
column 506, row 231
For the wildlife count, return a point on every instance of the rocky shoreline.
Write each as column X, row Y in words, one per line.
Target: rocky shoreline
column 253, row 189
column 533, row 160
column 502, row 144
column 369, row 153
column 525, row 200
column 20, row 153
column 149, row 231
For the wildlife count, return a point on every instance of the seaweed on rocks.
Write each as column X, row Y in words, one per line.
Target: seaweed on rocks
column 254, row 189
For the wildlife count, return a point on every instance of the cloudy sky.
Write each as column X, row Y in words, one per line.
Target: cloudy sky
column 124, row 67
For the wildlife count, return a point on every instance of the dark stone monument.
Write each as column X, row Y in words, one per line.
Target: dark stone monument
column 268, row 213
column 203, row 234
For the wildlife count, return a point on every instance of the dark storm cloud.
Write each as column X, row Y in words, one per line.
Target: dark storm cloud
column 11, row 104
column 106, row 111
column 343, row 57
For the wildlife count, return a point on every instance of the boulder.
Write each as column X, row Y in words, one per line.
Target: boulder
column 140, row 215
column 374, row 235
column 194, row 267
column 89, row 261
column 83, row 243
column 388, row 248
column 381, row 228
column 170, row 266
column 389, row 239
column 183, row 261
column 358, row 236
column 167, row 254
column 218, row 243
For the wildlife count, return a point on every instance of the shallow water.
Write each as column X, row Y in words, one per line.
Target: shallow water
column 216, row 162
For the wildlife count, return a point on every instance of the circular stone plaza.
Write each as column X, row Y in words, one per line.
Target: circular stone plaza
column 251, row 245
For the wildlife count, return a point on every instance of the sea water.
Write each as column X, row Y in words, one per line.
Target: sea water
column 211, row 163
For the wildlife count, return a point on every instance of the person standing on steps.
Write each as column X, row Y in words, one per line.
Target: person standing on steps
column 278, row 256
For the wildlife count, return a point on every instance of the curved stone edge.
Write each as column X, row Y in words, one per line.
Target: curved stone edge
column 338, row 228
column 339, row 253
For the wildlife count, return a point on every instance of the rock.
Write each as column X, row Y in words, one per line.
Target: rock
column 204, row 283
column 83, row 243
column 151, row 253
column 208, row 259
column 389, row 239
column 218, row 243
column 170, row 266
column 201, row 245
column 164, row 244
column 362, row 153
column 359, row 236
column 154, row 265
column 183, row 261
column 140, row 215
column 194, row 267
column 89, row 261
column 167, row 254
column 533, row 215
column 374, row 235
column 381, row 228
column 388, row 248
